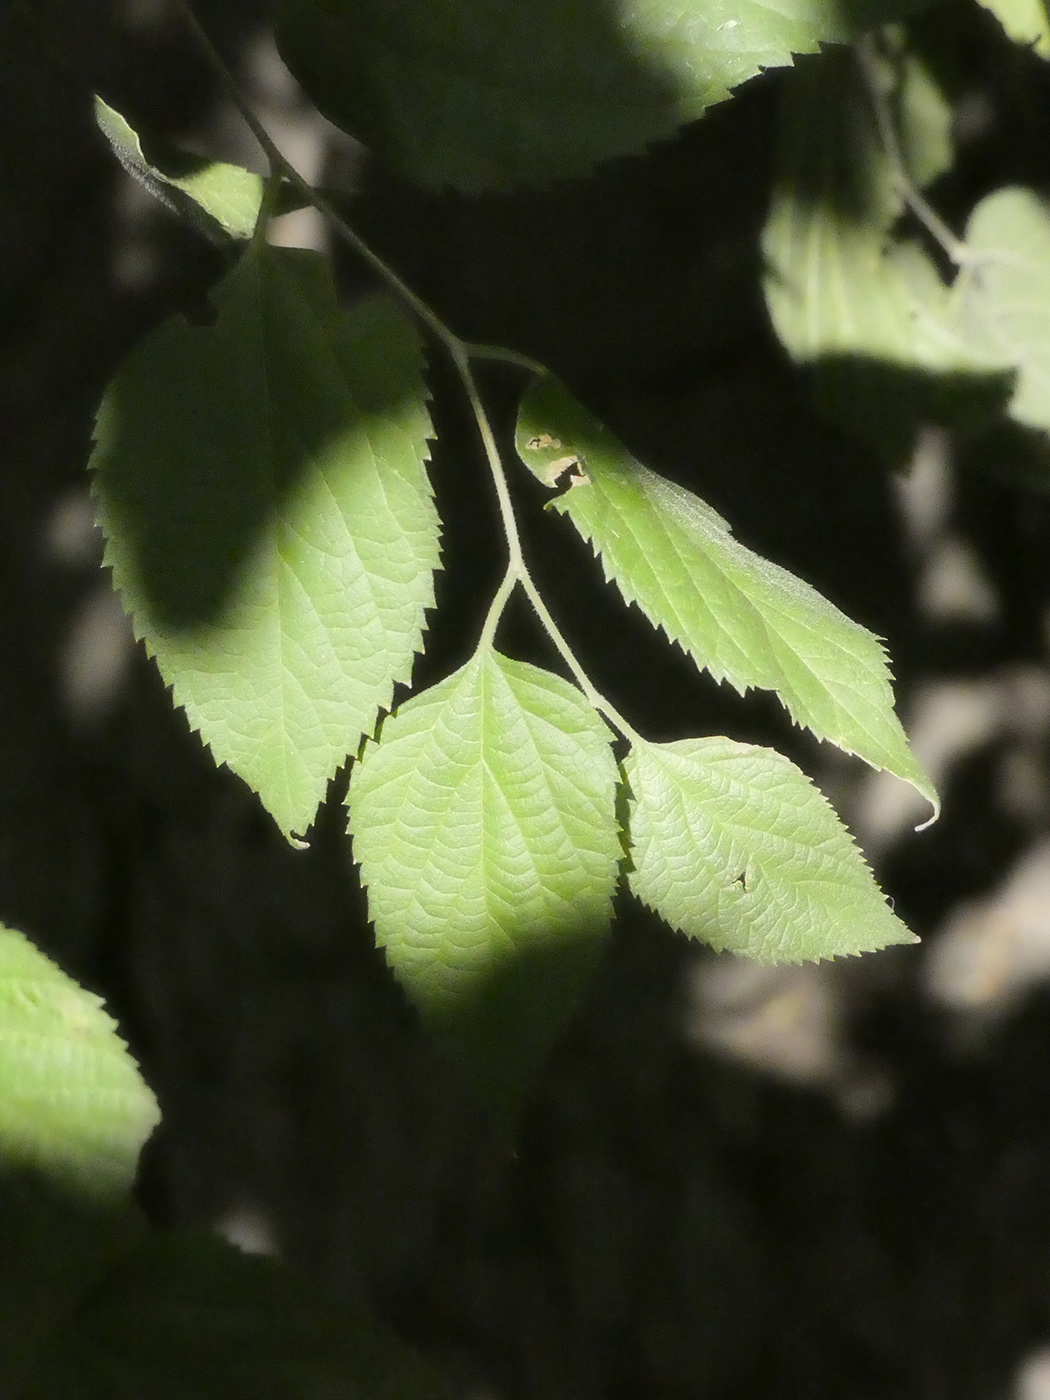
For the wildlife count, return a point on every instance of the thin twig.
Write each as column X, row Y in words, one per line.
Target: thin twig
column 596, row 698
column 280, row 164
column 953, row 247
column 461, row 352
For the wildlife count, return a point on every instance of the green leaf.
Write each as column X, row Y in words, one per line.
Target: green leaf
column 836, row 197
column 1025, row 21
column 744, row 619
column 485, row 93
column 734, row 845
column 186, row 1315
column 98, row 1307
column 269, row 520
column 864, row 307
column 1002, row 294
column 232, row 196
column 72, row 1102
column 59, row 1245
column 484, row 823
column 229, row 196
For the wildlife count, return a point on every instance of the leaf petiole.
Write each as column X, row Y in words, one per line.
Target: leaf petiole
column 461, row 353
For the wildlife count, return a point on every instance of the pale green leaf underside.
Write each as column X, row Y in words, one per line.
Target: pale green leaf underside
column 1025, row 21
column 1002, row 295
column 482, row 93
column 734, row 845
column 226, row 193
column 744, row 619
column 484, row 824
column 72, row 1102
column 269, row 518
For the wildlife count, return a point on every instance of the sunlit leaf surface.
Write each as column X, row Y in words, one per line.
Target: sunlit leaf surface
column 744, row 619
column 269, row 520
column 1002, row 295
column 72, row 1102
column 1025, row 21
column 228, row 194
column 734, row 845
column 484, row 823
column 849, row 295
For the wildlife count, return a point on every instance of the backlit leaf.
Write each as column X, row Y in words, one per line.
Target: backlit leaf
column 864, row 307
column 744, row 619
column 1002, row 294
column 226, row 193
column 734, row 845
column 484, row 823
column 1025, row 21
column 72, row 1102
column 483, row 93
column 269, row 520
column 231, row 195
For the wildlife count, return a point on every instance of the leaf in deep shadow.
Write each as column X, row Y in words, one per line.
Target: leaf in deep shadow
column 487, row 94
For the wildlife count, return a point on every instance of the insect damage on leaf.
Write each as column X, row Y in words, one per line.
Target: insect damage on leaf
column 739, row 616
column 566, row 472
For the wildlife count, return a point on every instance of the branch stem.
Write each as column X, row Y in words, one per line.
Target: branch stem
column 461, row 352
column 596, row 698
column 281, row 165
column 516, row 563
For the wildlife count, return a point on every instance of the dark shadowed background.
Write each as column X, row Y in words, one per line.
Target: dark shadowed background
column 733, row 1182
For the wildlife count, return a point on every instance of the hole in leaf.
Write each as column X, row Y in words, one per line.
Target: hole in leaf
column 565, row 473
